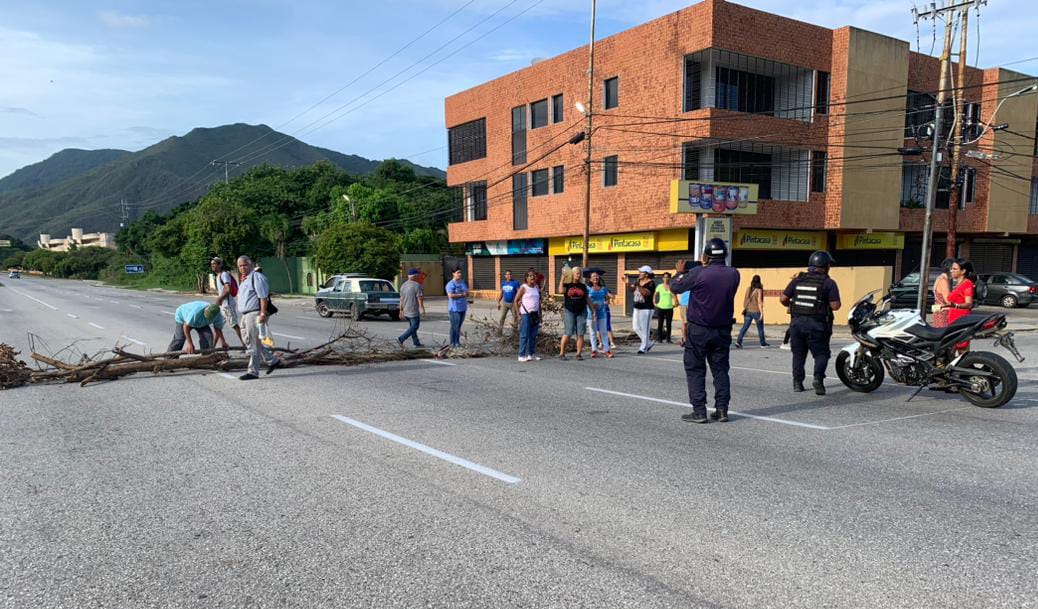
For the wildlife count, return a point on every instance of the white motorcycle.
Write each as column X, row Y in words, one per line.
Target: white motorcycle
column 918, row 355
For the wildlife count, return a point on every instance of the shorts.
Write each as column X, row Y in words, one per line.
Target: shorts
column 575, row 323
column 230, row 317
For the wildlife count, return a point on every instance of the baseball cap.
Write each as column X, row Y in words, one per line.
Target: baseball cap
column 645, row 269
column 413, row 272
column 211, row 312
column 216, row 259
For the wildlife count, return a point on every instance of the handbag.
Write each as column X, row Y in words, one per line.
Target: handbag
column 271, row 309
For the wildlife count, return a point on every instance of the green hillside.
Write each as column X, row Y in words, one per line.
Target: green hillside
column 59, row 167
column 159, row 178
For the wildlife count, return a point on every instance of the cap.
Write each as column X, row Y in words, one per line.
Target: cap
column 413, row 272
column 216, row 259
column 211, row 312
column 645, row 269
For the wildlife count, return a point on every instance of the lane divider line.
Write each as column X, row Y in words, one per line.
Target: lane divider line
column 436, row 361
column 95, row 325
column 134, row 340
column 228, row 376
column 914, row 416
column 439, row 454
column 289, row 336
column 49, row 306
column 72, row 316
column 135, row 306
column 114, row 301
column 730, row 412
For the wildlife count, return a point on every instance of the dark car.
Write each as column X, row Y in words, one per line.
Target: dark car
column 357, row 295
column 906, row 291
column 1009, row 290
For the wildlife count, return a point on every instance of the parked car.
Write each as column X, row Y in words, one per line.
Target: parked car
column 906, row 291
column 1009, row 290
column 357, row 295
column 14, row 275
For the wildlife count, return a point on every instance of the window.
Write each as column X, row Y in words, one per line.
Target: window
column 818, row 170
column 519, row 135
column 969, row 186
column 539, row 114
column 918, row 111
column 693, row 85
column 557, row 109
column 519, row 220
column 1033, row 210
column 744, row 92
column 467, row 142
column 612, row 92
column 539, row 187
column 822, row 93
column 689, row 162
column 558, row 179
column 972, row 126
column 476, row 201
column 610, row 171
column 744, row 166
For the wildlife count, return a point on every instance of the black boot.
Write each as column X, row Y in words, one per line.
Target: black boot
column 798, row 386
column 819, row 386
column 692, row 417
column 719, row 415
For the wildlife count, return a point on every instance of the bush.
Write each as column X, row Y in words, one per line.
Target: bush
column 358, row 248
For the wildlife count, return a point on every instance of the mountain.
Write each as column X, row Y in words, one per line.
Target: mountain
column 59, row 167
column 157, row 178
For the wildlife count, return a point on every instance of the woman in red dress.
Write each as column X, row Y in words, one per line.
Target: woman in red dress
column 960, row 301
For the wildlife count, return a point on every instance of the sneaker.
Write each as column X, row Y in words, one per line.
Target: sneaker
column 649, row 348
column 798, row 386
column 248, row 377
column 694, row 418
column 274, row 365
column 738, row 345
column 765, row 346
column 819, row 387
column 535, row 358
column 609, row 354
column 522, row 358
column 720, row 416
column 640, row 352
column 594, row 354
column 612, row 346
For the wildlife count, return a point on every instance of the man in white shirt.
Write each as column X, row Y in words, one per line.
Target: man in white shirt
column 225, row 299
column 253, row 295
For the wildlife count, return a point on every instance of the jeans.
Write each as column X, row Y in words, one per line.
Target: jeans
column 600, row 326
column 643, row 328
column 412, row 331
column 457, row 318
column 506, row 310
column 205, row 338
column 257, row 351
column 527, row 336
column 708, row 346
column 663, row 327
column 748, row 319
column 809, row 334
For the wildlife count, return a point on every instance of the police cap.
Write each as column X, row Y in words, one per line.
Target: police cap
column 821, row 259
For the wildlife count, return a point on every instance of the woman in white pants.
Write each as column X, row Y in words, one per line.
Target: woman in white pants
column 644, row 289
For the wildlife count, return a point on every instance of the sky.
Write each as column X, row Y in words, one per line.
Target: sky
column 122, row 74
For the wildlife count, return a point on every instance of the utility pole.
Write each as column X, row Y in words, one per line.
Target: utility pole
column 935, row 166
column 124, row 214
column 590, row 110
column 960, row 114
column 226, row 164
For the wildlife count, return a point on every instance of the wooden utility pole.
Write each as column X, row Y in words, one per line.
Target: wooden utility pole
column 590, row 110
column 955, row 195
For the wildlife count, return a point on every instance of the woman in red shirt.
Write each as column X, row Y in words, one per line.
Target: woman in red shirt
column 960, row 301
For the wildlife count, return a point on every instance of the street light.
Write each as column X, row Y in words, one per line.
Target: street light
column 581, row 108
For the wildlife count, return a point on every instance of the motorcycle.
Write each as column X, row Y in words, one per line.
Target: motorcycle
column 916, row 354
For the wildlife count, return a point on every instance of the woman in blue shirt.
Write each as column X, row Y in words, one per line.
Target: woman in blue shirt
column 599, row 295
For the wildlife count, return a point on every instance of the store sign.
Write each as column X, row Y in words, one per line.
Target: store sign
column 696, row 197
column 511, row 247
column 718, row 228
column 605, row 244
column 779, row 240
column 871, row 241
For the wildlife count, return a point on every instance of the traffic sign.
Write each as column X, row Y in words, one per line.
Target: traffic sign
column 134, row 269
column 5, row 243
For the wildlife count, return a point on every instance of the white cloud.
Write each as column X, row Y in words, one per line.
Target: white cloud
column 121, row 21
column 21, row 111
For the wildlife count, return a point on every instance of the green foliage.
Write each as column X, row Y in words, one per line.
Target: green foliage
column 133, row 239
column 423, row 241
column 358, row 247
column 221, row 227
column 80, row 263
column 14, row 260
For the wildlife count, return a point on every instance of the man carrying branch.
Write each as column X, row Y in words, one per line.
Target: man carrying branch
column 197, row 316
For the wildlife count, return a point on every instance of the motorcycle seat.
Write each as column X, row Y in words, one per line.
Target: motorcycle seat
column 933, row 335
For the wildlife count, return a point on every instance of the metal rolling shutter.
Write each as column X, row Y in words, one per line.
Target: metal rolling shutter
column 484, row 276
column 520, row 264
column 991, row 257
column 638, row 259
column 1027, row 260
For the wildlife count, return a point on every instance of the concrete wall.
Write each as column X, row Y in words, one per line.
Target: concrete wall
column 1009, row 197
column 854, row 282
column 432, row 266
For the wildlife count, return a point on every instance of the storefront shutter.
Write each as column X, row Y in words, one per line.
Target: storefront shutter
column 484, row 276
column 991, row 257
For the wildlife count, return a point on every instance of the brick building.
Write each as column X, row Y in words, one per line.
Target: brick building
column 718, row 92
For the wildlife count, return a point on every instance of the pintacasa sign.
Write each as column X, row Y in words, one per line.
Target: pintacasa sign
column 871, row 241
column 778, row 240
column 635, row 242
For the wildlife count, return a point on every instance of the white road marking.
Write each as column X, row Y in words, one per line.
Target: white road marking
column 439, row 454
column 730, row 412
column 289, row 336
column 134, row 340
column 914, row 416
column 228, row 376
column 679, row 361
column 95, row 325
column 436, row 361
column 169, row 312
column 72, row 316
column 135, row 306
column 51, row 307
column 114, row 301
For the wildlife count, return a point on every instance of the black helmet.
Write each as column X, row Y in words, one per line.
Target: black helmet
column 821, row 260
column 716, row 249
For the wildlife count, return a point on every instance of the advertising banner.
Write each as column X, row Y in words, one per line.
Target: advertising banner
column 697, row 197
column 511, row 247
column 871, row 241
column 779, row 240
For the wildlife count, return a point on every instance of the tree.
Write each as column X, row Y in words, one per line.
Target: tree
column 423, row 241
column 395, row 171
column 15, row 260
column 133, row 239
column 277, row 228
column 358, row 247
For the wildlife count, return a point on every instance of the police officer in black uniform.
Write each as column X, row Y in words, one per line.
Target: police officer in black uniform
column 812, row 297
column 708, row 335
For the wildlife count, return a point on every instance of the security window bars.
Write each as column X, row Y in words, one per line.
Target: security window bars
column 467, row 142
column 519, row 135
column 914, row 183
column 612, row 92
column 744, row 166
column 819, row 161
column 690, row 161
column 558, row 179
column 539, row 114
column 610, row 171
column 969, row 185
column 539, row 186
column 519, row 220
column 822, row 93
column 558, row 110
column 476, row 201
column 722, row 79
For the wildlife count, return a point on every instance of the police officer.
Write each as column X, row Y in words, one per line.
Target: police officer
column 812, row 297
column 708, row 334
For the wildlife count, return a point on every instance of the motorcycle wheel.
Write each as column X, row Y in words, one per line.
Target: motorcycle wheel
column 866, row 380
column 995, row 390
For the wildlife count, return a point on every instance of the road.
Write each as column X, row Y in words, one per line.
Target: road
column 490, row 483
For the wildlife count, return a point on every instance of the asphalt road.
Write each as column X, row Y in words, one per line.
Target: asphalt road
column 490, row 483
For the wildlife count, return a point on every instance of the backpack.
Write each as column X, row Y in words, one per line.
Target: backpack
column 807, row 296
column 233, row 283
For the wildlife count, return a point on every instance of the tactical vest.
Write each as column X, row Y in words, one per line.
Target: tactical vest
column 808, row 296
